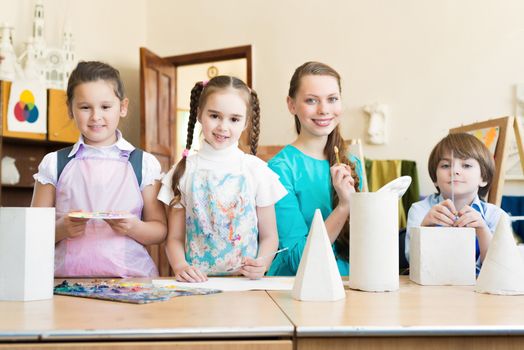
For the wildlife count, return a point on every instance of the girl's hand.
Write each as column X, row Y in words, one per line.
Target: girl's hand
column 469, row 217
column 442, row 214
column 343, row 182
column 74, row 227
column 188, row 273
column 253, row 268
column 123, row 226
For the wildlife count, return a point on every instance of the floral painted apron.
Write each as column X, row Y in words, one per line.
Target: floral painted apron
column 221, row 220
column 100, row 184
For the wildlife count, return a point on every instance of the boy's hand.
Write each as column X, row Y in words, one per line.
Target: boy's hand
column 253, row 268
column 188, row 273
column 74, row 227
column 442, row 214
column 469, row 217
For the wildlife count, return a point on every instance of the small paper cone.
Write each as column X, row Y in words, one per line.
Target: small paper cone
column 503, row 268
column 318, row 278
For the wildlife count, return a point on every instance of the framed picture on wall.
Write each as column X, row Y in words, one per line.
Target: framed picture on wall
column 27, row 109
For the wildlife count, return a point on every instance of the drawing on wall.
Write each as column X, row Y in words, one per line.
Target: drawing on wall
column 27, row 108
column 513, row 168
column 488, row 136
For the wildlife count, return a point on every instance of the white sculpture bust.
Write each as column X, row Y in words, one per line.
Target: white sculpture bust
column 378, row 115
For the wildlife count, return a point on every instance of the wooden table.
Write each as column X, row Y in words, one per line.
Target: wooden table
column 415, row 317
column 234, row 320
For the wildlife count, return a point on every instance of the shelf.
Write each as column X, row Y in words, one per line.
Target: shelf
column 29, row 142
column 18, row 186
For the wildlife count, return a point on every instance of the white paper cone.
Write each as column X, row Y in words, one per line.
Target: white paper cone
column 503, row 268
column 373, row 247
column 318, row 278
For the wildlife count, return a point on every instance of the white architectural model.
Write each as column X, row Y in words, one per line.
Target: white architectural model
column 9, row 67
column 442, row 256
column 27, row 250
column 317, row 277
column 53, row 65
column 503, row 268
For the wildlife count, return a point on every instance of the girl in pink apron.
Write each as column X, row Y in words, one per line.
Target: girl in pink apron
column 99, row 178
column 221, row 200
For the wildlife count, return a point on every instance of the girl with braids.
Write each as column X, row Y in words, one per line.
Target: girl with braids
column 309, row 169
column 220, row 200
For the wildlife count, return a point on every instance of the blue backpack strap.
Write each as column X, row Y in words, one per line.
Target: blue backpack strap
column 62, row 158
column 135, row 158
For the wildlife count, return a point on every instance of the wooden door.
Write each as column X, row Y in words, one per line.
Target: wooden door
column 158, row 129
column 158, row 107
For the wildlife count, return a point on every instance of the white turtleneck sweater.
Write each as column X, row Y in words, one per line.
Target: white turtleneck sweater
column 267, row 189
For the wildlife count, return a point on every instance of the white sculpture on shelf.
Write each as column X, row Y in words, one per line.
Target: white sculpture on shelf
column 503, row 268
column 53, row 64
column 10, row 174
column 318, row 278
column 9, row 67
column 377, row 126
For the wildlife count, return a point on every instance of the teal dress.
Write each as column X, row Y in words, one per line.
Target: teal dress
column 308, row 182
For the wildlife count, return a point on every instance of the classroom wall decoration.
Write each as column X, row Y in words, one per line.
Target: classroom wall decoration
column 27, row 108
column 488, row 136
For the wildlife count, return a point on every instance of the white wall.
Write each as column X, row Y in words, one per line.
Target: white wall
column 436, row 63
column 107, row 30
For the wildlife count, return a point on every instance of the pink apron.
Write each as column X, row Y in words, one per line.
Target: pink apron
column 100, row 184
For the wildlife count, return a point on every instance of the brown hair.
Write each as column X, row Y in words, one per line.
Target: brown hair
column 199, row 95
column 464, row 146
column 334, row 139
column 88, row 71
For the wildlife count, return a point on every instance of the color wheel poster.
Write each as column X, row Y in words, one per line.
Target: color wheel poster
column 27, row 108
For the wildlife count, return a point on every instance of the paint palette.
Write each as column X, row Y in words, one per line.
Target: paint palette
column 399, row 186
column 126, row 292
column 103, row 215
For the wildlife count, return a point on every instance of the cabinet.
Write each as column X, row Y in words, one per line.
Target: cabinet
column 29, row 149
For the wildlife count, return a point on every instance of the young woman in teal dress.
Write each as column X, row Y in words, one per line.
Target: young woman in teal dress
column 310, row 171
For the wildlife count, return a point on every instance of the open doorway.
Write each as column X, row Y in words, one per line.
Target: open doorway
column 165, row 86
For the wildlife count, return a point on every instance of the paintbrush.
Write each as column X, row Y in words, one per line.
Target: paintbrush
column 260, row 257
column 453, row 182
column 335, row 148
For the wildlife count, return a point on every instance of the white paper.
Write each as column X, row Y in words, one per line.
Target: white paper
column 233, row 284
column 373, row 247
column 318, row 278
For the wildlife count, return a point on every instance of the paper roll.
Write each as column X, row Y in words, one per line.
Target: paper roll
column 373, row 247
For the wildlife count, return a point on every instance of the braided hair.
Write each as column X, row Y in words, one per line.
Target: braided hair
column 199, row 95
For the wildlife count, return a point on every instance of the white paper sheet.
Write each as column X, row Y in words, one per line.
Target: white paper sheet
column 232, row 284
